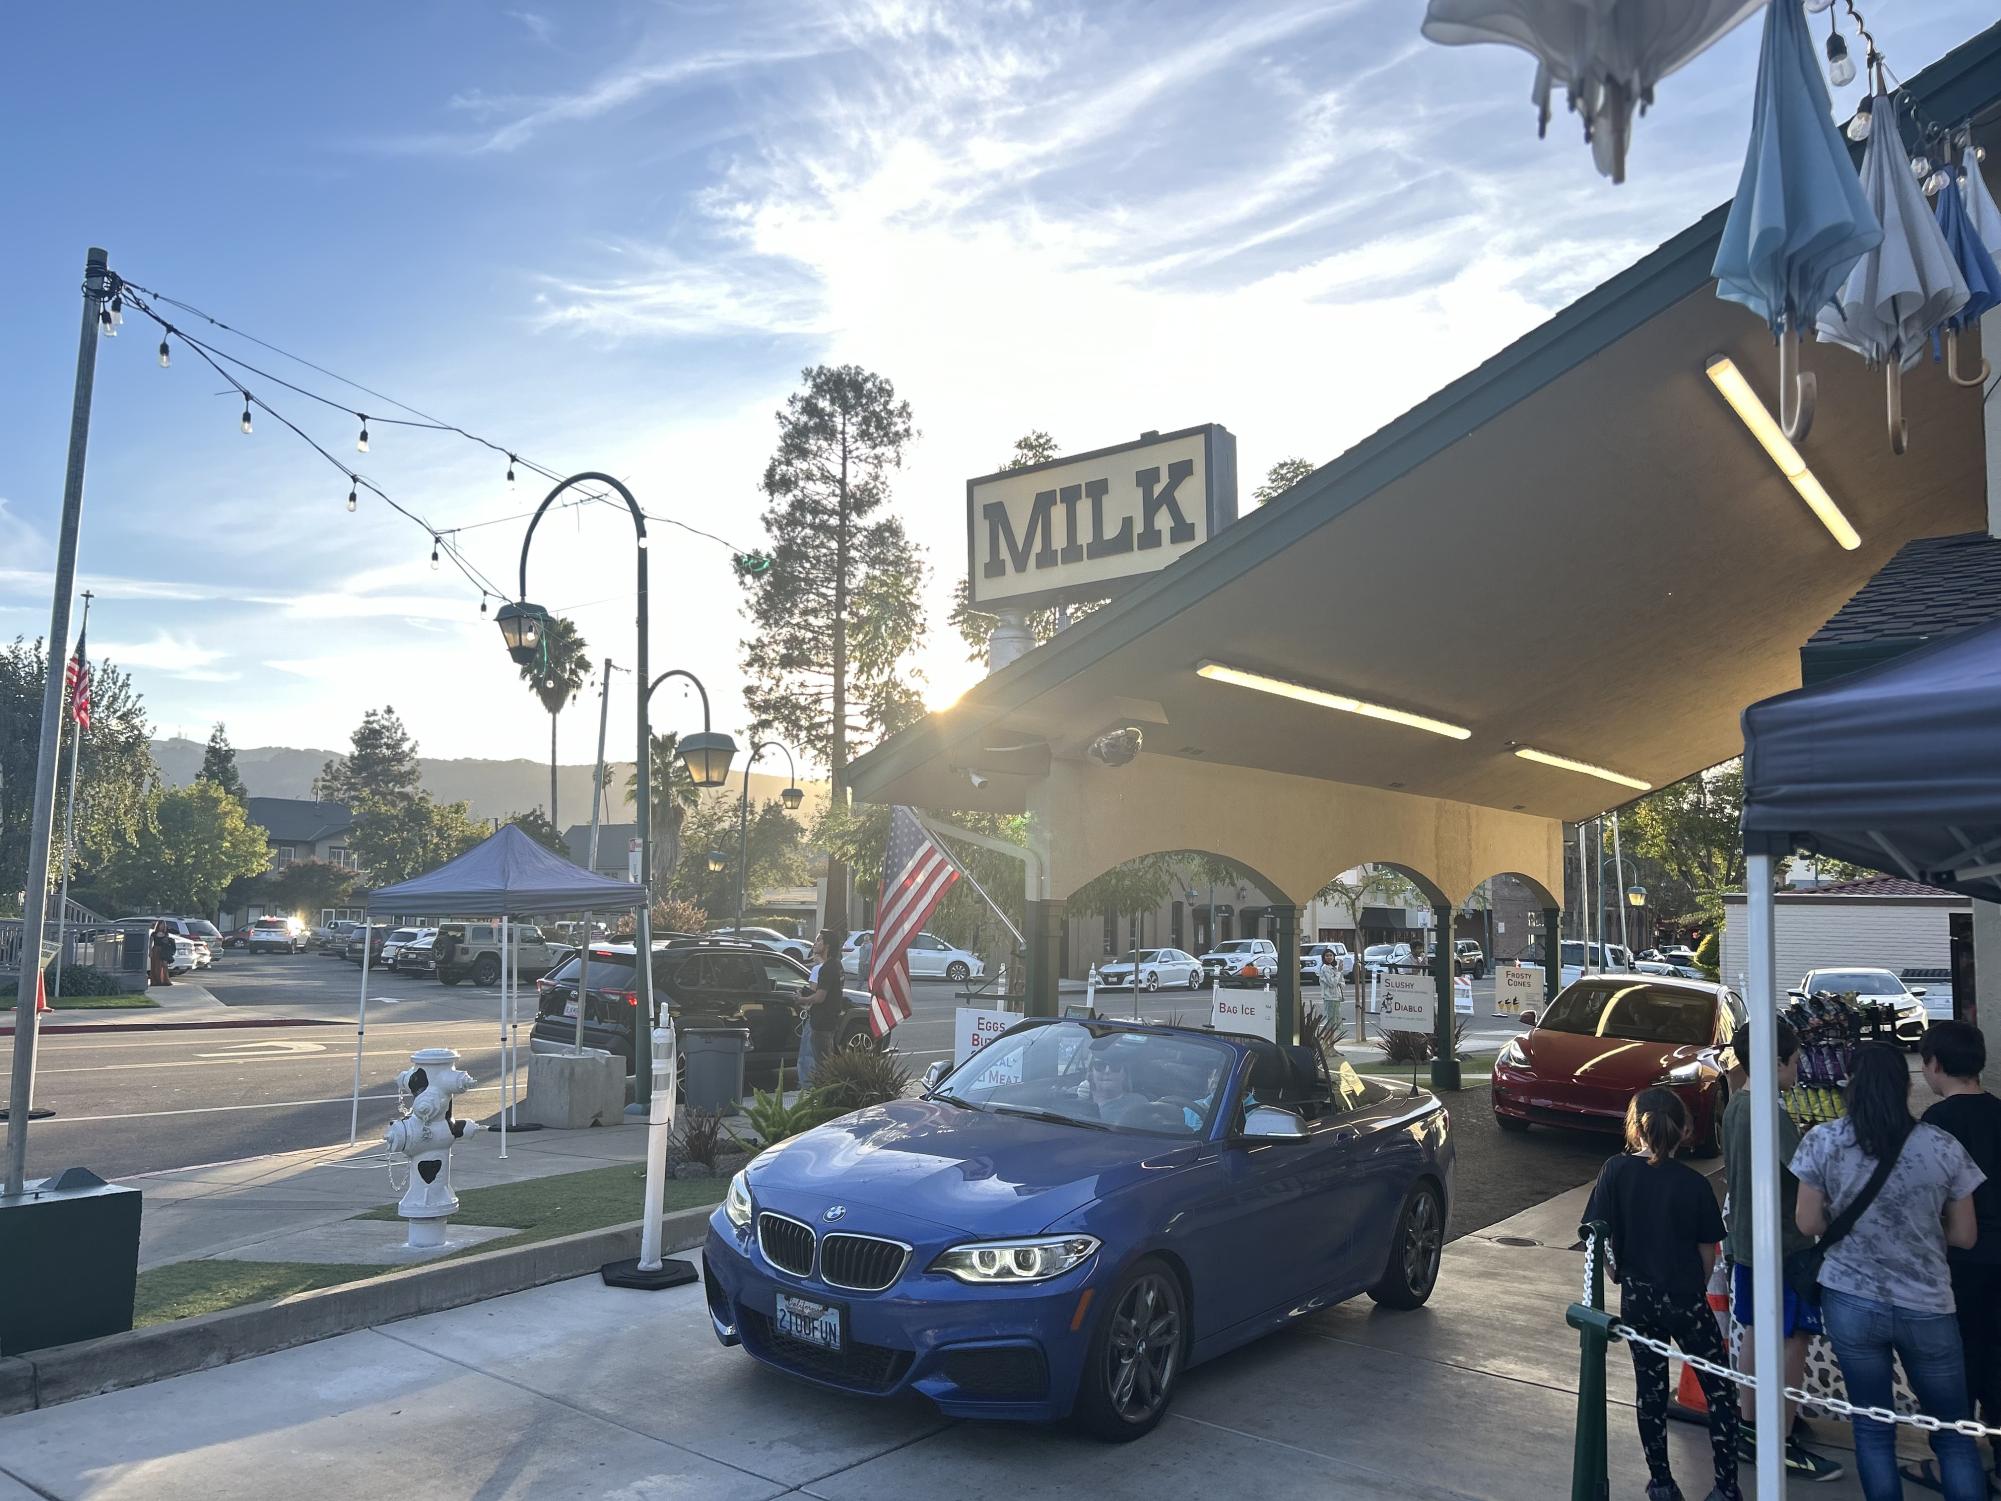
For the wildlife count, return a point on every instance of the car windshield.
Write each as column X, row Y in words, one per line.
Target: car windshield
column 1148, row 956
column 268, row 924
column 1235, row 946
column 1097, row 1077
column 1855, row 981
column 403, row 935
column 1641, row 1013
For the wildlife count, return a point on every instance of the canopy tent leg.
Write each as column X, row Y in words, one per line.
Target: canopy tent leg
column 1767, row 1270
column 360, row 1031
column 503, row 1039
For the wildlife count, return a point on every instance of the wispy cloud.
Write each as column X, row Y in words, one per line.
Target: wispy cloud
column 166, row 653
column 539, row 26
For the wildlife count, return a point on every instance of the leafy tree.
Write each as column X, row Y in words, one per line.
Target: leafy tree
column 1691, row 832
column 192, row 843
column 674, row 793
column 538, row 827
column 1371, row 885
column 676, row 914
column 397, row 837
column 382, row 763
column 305, row 887
column 1280, row 478
column 556, row 676
column 839, row 614
column 777, row 856
column 114, row 770
column 218, row 764
column 975, row 626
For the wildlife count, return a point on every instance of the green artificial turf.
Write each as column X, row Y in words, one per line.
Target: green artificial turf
column 185, row 1289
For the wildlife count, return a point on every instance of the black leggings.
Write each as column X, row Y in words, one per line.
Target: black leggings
column 1689, row 1324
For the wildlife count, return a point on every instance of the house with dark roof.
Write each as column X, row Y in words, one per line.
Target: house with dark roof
column 615, row 847
column 302, row 829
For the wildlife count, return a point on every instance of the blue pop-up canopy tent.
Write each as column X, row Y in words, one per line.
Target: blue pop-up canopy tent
column 505, row 874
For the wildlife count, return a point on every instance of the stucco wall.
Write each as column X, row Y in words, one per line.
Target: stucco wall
column 1879, row 932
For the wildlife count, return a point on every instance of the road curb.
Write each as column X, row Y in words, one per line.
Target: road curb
column 64, row 1373
column 78, row 1028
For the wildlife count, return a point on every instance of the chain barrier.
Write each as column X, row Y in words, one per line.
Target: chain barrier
column 1924, row 1422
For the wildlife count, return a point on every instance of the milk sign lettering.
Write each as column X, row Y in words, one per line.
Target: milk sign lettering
column 1077, row 527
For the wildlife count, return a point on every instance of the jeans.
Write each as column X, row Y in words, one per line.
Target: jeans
column 812, row 1048
column 1865, row 1332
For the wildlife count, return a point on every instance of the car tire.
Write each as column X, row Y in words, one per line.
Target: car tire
column 1415, row 1251
column 1195, row 979
column 1512, row 1123
column 1152, row 980
column 958, row 972
column 1137, row 1348
column 486, row 970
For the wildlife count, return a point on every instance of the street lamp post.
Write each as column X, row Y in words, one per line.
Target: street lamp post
column 792, row 797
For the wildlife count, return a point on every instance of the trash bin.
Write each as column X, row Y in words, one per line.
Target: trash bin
column 714, row 1077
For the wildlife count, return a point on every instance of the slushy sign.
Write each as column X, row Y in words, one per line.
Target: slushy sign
column 1410, row 1003
column 1074, row 527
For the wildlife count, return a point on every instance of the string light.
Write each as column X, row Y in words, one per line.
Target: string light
column 510, row 471
column 434, row 554
column 104, row 323
column 166, row 355
column 246, row 411
column 482, row 602
column 361, row 443
column 117, row 308
column 1840, row 66
column 352, row 499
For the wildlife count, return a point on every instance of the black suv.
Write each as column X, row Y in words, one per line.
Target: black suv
column 702, row 984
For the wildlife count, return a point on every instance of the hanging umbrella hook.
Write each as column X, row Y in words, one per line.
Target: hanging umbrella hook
column 1796, row 387
column 1952, row 363
column 1893, row 391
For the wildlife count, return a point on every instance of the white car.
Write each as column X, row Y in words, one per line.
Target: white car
column 1879, row 986
column 1325, row 962
column 274, row 935
column 1229, row 961
column 1380, row 958
column 767, row 938
column 1157, row 967
column 931, row 957
column 393, row 944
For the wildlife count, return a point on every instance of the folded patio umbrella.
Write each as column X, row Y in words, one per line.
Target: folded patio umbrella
column 1607, row 54
column 1981, row 210
column 1976, row 266
column 1800, row 221
column 1905, row 287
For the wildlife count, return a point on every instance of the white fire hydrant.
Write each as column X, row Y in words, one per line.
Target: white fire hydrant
column 425, row 1136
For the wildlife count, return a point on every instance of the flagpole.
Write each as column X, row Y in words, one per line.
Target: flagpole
column 69, row 808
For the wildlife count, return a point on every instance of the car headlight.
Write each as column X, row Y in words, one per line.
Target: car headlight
column 1036, row 1259
column 1512, row 1055
column 736, row 1203
column 1688, row 1073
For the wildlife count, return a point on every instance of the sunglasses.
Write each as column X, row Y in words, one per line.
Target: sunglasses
column 1100, row 1067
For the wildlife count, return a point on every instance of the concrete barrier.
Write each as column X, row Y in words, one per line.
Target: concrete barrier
column 570, row 1091
column 43, row 1378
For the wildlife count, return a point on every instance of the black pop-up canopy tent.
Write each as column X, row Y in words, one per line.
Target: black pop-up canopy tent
column 1897, row 767
column 502, row 875
column 1894, row 768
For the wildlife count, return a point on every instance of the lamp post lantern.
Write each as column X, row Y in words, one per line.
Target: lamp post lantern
column 717, row 862
column 792, row 797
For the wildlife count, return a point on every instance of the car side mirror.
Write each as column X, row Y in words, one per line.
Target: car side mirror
column 935, row 1074
column 1918, row 991
column 1797, row 995
column 1528, row 1018
column 1269, row 1123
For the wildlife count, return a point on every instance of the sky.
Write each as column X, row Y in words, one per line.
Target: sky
column 611, row 235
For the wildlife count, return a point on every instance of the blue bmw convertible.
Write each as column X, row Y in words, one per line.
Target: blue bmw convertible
column 1074, row 1216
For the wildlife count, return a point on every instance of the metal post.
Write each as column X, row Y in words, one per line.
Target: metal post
column 1285, row 920
column 361, row 1027
column 597, row 805
column 503, row 1037
column 1589, row 1476
column 1619, row 876
column 1444, row 1052
column 1583, row 901
column 650, row 1271
column 35, row 899
column 743, row 839
column 69, row 819
column 1768, row 1338
column 1552, row 959
column 643, row 1019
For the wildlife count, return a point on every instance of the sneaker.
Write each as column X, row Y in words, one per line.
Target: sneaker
column 1663, row 1490
column 1803, row 1464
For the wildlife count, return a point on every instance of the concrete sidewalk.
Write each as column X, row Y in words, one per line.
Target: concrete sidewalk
column 185, row 1003
column 579, row 1390
column 276, row 1202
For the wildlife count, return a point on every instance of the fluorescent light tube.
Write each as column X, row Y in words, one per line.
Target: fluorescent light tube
column 1564, row 763
column 1218, row 672
column 1729, row 380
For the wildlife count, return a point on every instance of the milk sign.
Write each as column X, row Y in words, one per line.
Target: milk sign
column 1410, row 1003
column 1074, row 528
column 973, row 1028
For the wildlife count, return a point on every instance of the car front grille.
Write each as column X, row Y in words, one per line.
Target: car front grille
column 787, row 1244
column 863, row 1263
column 862, row 1368
column 1008, row 1373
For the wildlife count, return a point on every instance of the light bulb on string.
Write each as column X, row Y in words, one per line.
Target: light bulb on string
column 434, row 554
column 117, row 309
column 352, row 498
column 482, row 604
column 1815, row 7
column 1921, row 167
column 104, row 323
column 1840, row 66
column 1937, row 183
column 510, row 471
column 246, row 411
column 1858, row 126
column 166, row 355
column 361, row 443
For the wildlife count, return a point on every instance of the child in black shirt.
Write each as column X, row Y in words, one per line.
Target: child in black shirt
column 1665, row 1225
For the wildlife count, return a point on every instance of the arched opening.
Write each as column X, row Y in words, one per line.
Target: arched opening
column 1186, row 900
column 1505, row 915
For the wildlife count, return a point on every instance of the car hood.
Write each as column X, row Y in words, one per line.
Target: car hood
column 965, row 1169
column 1617, row 1063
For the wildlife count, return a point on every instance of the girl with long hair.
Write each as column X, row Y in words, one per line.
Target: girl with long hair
column 1885, row 1285
column 1665, row 1227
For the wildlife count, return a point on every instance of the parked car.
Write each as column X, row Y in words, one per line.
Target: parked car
column 931, row 957
column 471, row 951
column 237, row 938
column 369, row 939
column 1325, row 963
column 1380, row 958
column 1578, row 956
column 1880, row 986
column 768, row 938
column 701, row 983
column 393, row 945
column 1157, row 967
column 199, row 934
column 1607, row 1037
column 276, row 935
column 415, row 956
column 332, row 938
column 1241, row 961
column 1468, row 958
column 994, row 1245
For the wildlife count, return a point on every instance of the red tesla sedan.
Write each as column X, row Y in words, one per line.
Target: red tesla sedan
column 1607, row 1037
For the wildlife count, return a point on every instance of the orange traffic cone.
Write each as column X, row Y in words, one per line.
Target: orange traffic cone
column 41, row 994
column 1691, row 1403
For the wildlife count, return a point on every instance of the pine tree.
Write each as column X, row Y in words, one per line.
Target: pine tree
column 218, row 764
column 839, row 612
column 381, row 763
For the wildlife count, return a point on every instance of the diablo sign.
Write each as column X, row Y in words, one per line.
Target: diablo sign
column 1077, row 527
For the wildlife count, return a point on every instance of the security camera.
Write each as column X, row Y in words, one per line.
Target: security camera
column 1116, row 747
column 975, row 778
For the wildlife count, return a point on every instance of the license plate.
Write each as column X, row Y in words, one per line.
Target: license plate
column 809, row 1322
column 570, row 1006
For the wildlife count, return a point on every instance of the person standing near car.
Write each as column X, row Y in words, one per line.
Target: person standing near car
column 161, row 952
column 825, row 1003
column 864, row 957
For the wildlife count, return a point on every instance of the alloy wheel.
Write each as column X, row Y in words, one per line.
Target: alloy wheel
column 1144, row 1351
column 1423, row 1244
column 1152, row 980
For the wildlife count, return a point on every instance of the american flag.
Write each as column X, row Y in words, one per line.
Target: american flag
column 76, row 678
column 915, row 877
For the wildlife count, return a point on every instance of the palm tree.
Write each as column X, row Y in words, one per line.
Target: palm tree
column 674, row 794
column 555, row 677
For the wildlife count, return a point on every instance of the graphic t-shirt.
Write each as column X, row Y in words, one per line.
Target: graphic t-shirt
column 1896, row 1252
column 1974, row 1121
column 1661, row 1216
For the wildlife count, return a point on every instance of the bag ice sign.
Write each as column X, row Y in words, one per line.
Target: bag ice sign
column 1252, row 1013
